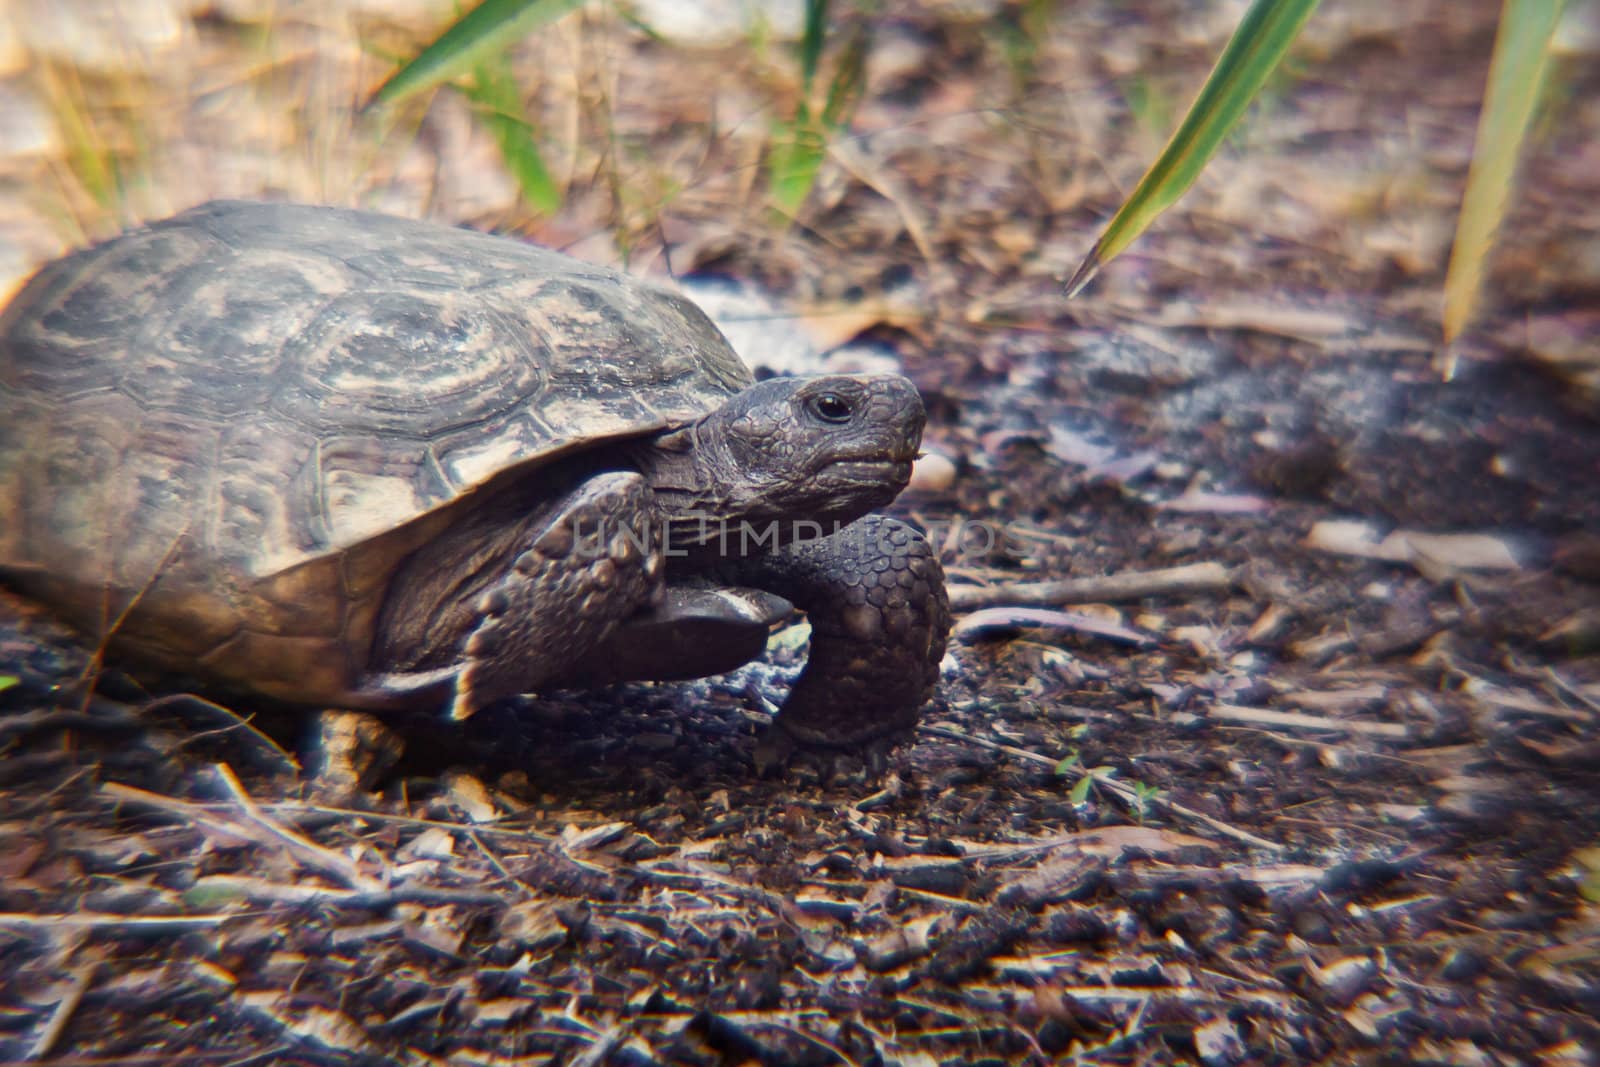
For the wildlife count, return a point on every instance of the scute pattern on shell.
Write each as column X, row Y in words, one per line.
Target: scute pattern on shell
column 248, row 390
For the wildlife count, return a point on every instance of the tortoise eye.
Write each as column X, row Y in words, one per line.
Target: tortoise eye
column 831, row 407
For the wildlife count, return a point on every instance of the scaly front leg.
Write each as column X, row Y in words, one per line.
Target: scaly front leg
column 874, row 594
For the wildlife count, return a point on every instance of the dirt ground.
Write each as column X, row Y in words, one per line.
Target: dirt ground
column 1297, row 759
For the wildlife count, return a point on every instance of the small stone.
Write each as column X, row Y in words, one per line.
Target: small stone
column 1218, row 1043
column 434, row 843
column 932, row 473
column 1345, row 979
column 470, row 796
column 349, row 751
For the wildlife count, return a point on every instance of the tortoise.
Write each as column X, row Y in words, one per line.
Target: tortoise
column 351, row 460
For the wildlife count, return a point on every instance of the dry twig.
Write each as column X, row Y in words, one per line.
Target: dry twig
column 1169, row 581
column 1295, row 720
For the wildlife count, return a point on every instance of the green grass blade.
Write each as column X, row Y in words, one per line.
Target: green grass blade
column 800, row 144
column 849, row 80
column 490, row 27
column 1264, row 35
column 794, row 160
column 500, row 108
column 811, row 42
column 1516, row 73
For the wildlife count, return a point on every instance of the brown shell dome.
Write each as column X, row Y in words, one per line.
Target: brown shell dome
column 241, row 419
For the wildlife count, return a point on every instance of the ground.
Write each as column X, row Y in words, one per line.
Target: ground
column 1298, row 761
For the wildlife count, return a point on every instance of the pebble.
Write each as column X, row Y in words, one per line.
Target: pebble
column 933, row 472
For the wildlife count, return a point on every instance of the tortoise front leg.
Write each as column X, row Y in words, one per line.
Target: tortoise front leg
column 594, row 563
column 874, row 594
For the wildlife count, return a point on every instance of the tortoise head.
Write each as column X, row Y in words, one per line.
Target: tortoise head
column 828, row 448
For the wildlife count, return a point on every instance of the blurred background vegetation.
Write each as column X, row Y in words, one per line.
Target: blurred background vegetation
column 741, row 128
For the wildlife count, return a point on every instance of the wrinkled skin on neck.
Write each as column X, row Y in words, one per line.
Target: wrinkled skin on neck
column 794, row 451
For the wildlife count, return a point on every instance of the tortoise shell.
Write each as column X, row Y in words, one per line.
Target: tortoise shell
column 223, row 432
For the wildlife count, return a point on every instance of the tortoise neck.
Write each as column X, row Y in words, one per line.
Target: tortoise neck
column 690, row 473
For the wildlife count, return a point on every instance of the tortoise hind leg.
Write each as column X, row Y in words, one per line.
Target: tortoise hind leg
column 874, row 594
column 595, row 561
